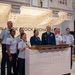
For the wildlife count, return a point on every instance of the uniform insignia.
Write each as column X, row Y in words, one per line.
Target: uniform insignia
column 56, row 36
column 35, row 39
column 20, row 39
column 51, row 34
column 3, row 29
column 9, row 36
column 45, row 35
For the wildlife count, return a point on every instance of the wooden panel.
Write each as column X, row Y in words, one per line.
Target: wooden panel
column 67, row 74
column 45, row 47
column 73, row 57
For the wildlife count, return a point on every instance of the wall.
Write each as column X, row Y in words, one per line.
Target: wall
column 25, row 1
column 66, row 24
column 74, row 14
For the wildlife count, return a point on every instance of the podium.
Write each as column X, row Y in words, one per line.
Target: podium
column 48, row 60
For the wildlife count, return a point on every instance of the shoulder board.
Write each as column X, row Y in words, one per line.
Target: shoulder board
column 18, row 35
column 9, row 36
column 4, row 29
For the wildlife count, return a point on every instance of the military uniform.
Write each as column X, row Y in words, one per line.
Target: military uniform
column 48, row 38
column 4, row 34
column 13, row 50
column 18, row 38
column 68, row 38
column 21, row 58
column 34, row 40
column 58, row 39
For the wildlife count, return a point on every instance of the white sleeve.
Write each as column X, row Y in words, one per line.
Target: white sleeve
column 17, row 38
column 8, row 42
column 2, row 34
column 64, row 38
column 72, row 38
column 60, row 38
column 19, row 45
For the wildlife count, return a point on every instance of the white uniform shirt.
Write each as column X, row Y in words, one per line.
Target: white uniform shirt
column 18, row 38
column 58, row 39
column 68, row 38
column 21, row 52
column 4, row 34
column 13, row 44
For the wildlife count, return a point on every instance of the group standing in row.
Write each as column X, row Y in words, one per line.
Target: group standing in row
column 49, row 38
column 14, row 48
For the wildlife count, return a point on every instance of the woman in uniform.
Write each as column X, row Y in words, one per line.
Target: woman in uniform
column 18, row 39
column 35, row 40
column 11, row 47
column 21, row 57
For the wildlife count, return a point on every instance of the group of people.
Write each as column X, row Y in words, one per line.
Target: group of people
column 49, row 38
column 13, row 48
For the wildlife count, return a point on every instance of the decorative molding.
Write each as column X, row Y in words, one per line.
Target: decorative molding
column 51, row 0
column 73, row 4
column 55, row 13
column 41, row 3
column 15, row 5
column 62, row 2
column 69, row 15
column 59, row 9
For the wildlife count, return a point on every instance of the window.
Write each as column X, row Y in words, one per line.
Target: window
column 62, row 2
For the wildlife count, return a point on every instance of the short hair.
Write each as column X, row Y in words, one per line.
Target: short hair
column 55, row 28
column 11, row 30
column 34, row 30
column 67, row 28
column 22, row 34
column 9, row 22
column 20, row 28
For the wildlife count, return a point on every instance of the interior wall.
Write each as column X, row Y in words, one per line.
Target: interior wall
column 26, row 1
column 74, row 14
column 66, row 24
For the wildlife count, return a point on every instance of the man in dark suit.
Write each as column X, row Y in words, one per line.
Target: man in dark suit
column 48, row 38
column 35, row 40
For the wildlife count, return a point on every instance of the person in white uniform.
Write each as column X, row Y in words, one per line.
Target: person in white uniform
column 59, row 33
column 3, row 36
column 21, row 57
column 58, row 37
column 69, row 39
column 11, row 47
column 18, row 38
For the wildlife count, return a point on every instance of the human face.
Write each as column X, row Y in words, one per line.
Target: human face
column 36, row 33
column 68, row 31
column 48, row 28
column 9, row 24
column 21, row 30
column 24, row 37
column 56, row 31
column 13, row 32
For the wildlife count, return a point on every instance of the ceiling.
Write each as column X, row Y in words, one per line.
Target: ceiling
column 16, row 5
